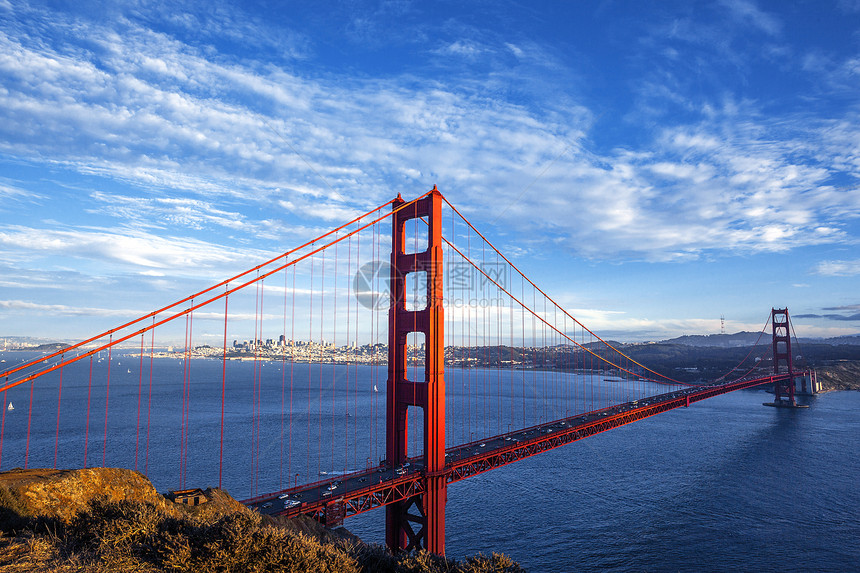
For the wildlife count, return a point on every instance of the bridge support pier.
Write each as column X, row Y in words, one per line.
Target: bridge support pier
column 418, row 521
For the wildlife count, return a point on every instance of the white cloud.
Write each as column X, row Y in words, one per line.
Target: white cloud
column 15, row 193
column 812, row 331
column 463, row 48
column 63, row 310
column 748, row 13
column 142, row 109
column 134, row 248
column 839, row 268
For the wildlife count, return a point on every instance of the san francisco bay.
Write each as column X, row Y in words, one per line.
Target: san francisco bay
column 725, row 485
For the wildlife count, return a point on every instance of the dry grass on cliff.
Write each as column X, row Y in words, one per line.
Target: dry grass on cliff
column 139, row 536
column 220, row 536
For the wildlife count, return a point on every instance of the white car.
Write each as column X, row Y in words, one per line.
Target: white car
column 291, row 503
column 284, row 496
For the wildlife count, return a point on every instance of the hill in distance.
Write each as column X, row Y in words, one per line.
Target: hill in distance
column 743, row 338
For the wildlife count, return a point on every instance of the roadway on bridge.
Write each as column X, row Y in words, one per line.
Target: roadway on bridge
column 311, row 497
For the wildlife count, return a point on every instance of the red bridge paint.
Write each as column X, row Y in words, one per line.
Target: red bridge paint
column 426, row 509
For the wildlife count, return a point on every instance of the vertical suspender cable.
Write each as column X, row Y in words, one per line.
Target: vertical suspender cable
column 89, row 396
column 546, row 393
column 511, row 370
column 149, row 402
column 482, row 308
column 310, row 379
column 320, row 369
column 258, row 366
column 139, row 400
column 527, row 390
column 255, row 345
column 469, row 342
column 188, row 395
column 348, row 354
column 223, row 393
column 3, row 427
column 536, row 405
column 107, row 399
column 497, row 304
column 374, row 288
column 334, row 364
column 184, row 426
column 292, row 369
column 29, row 417
column 185, row 361
column 59, row 399
column 282, row 347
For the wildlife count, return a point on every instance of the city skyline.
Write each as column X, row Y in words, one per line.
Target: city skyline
column 652, row 168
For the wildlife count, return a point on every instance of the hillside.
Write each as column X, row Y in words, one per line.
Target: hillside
column 683, row 362
column 108, row 520
column 749, row 338
column 840, row 375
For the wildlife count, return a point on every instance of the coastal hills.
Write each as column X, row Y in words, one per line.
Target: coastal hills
column 689, row 359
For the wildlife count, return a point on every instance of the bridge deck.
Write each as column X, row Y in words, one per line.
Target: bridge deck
column 336, row 497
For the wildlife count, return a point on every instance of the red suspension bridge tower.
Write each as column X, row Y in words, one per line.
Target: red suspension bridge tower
column 784, row 384
column 420, row 520
column 782, row 353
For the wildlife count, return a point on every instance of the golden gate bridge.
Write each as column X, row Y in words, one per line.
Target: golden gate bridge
column 379, row 363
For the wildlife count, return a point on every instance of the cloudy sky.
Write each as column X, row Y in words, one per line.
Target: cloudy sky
column 651, row 165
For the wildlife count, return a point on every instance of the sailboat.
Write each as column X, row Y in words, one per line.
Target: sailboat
column 11, row 407
column 375, row 389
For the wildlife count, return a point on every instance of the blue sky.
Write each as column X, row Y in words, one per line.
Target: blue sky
column 651, row 165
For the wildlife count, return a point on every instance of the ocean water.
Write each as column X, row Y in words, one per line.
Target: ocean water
column 725, row 485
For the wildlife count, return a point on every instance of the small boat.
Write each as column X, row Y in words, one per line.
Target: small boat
column 128, row 370
column 11, row 407
column 375, row 389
